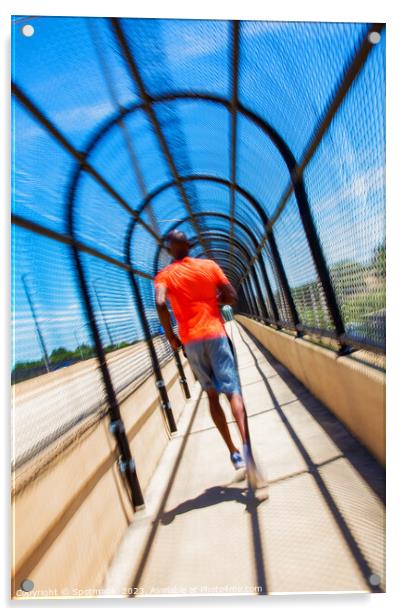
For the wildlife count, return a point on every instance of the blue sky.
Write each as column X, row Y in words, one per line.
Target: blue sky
column 71, row 69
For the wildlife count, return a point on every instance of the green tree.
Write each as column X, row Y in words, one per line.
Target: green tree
column 378, row 260
column 61, row 354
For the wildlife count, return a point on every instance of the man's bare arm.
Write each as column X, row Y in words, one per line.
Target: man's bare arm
column 164, row 316
column 227, row 295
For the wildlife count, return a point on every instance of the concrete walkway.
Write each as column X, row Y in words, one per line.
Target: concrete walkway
column 318, row 528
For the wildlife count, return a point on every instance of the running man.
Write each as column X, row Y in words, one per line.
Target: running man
column 195, row 288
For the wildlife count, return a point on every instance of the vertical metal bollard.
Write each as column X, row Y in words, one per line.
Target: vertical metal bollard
column 182, row 375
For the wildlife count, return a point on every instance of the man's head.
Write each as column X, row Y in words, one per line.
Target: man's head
column 177, row 244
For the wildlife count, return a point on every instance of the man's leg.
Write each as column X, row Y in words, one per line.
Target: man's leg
column 239, row 413
column 200, row 362
column 219, row 418
column 226, row 375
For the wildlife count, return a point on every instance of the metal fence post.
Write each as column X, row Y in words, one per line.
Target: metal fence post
column 36, row 322
column 160, row 383
column 268, row 287
column 318, row 256
column 251, row 297
column 179, row 365
column 260, row 296
column 241, row 302
column 249, row 305
column 101, row 311
column 283, row 279
column 116, row 426
column 182, row 374
column 246, row 304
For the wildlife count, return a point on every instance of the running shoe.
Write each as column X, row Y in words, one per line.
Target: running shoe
column 237, row 460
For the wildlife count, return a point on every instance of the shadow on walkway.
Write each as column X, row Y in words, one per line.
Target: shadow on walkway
column 363, row 462
column 213, row 496
column 263, row 527
column 351, row 449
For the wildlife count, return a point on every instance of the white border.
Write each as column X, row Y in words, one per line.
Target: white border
column 291, row 10
column 287, row 10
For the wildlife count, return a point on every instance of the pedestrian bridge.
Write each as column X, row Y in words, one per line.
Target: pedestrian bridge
column 264, row 143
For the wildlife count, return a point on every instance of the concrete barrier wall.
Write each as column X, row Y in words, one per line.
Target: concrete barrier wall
column 70, row 518
column 354, row 392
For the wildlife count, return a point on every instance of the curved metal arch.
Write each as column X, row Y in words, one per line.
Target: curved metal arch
column 216, row 179
column 271, row 133
column 207, row 214
column 223, row 251
column 285, row 151
column 216, row 235
column 195, row 178
column 265, row 126
column 243, row 235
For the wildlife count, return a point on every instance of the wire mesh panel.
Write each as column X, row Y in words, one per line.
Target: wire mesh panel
column 148, row 65
column 242, row 234
column 346, row 187
column 143, row 247
column 299, row 267
column 57, row 382
column 289, row 72
column 200, row 123
column 126, row 145
column 163, row 261
column 281, row 300
column 51, row 67
column 36, row 156
column 116, row 157
column 98, row 219
column 215, row 197
column 119, row 324
column 267, row 302
column 166, row 209
column 181, row 55
column 260, row 165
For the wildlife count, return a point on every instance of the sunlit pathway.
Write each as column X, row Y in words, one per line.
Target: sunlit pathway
column 321, row 529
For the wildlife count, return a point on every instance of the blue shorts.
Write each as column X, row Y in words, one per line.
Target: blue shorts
column 213, row 364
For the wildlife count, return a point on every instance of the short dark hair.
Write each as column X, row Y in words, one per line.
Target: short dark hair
column 177, row 244
column 177, row 236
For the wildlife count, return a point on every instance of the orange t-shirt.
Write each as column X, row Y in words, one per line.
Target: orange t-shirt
column 191, row 289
